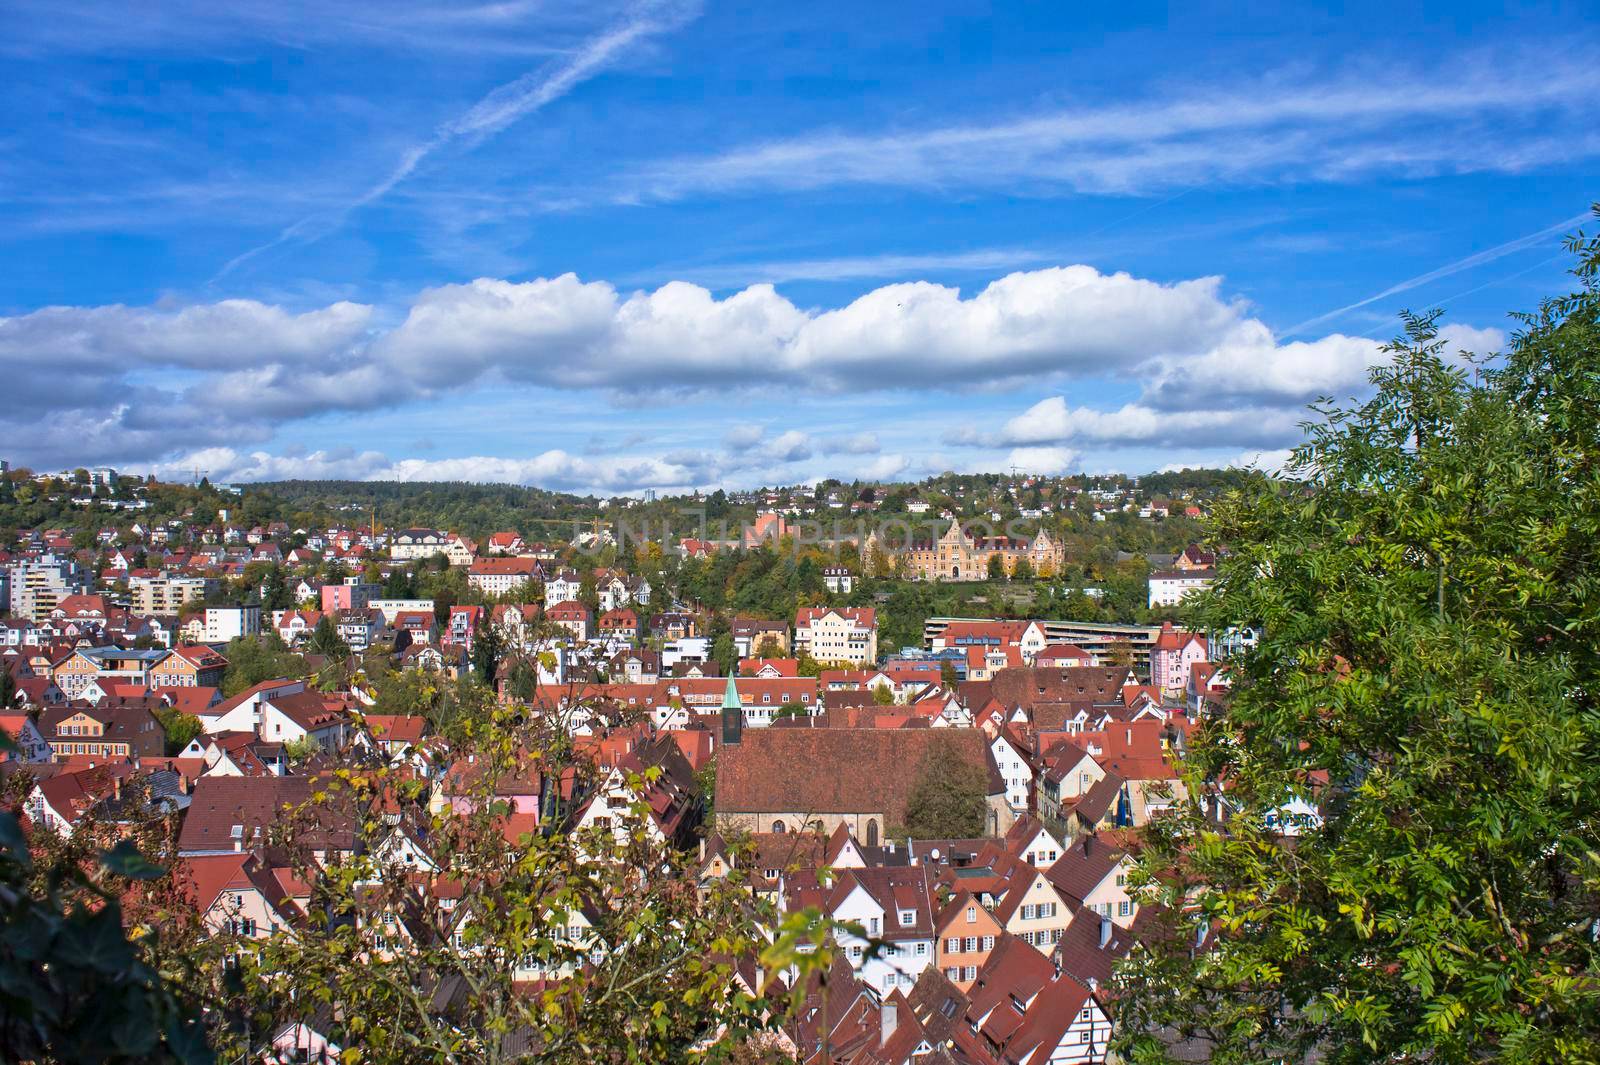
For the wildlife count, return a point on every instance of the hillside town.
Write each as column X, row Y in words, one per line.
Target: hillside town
column 212, row 675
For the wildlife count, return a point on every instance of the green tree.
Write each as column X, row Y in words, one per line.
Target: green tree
column 325, row 640
column 180, row 728
column 997, row 567
column 1426, row 679
column 488, row 647
column 73, row 988
column 8, row 688
column 253, row 659
column 882, row 695
column 947, row 674
column 949, row 797
column 1023, row 570
column 298, row 750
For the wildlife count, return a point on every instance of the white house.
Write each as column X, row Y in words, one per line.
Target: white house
column 1171, row 587
column 1015, row 770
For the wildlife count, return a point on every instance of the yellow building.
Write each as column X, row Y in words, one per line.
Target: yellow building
column 957, row 556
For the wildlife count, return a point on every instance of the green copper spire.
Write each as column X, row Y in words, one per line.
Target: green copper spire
column 732, row 713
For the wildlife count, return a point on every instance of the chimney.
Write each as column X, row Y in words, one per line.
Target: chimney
column 1105, row 931
column 889, row 1020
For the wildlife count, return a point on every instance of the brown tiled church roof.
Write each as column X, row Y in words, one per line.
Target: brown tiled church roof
column 837, row 770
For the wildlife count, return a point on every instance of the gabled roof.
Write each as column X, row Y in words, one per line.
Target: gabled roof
column 1083, row 867
column 868, row 770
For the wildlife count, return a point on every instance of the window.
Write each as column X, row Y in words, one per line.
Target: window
column 922, row 950
column 953, row 974
column 972, row 914
column 969, row 944
column 872, row 925
column 1125, row 908
column 1028, row 911
column 908, row 917
column 988, row 942
column 952, row 945
column 1083, row 1037
column 1122, row 880
column 969, row 973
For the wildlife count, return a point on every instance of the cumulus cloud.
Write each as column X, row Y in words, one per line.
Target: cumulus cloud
column 135, row 384
column 227, row 334
column 884, row 468
column 1480, row 342
column 790, row 446
column 574, row 334
column 1269, row 462
column 1051, row 421
column 1048, row 461
column 555, row 469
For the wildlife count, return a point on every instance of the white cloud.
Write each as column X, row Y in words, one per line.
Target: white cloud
column 1270, row 462
column 229, row 333
column 1250, row 365
column 554, row 469
column 741, row 437
column 1289, row 128
column 1048, row 461
column 790, row 446
column 569, row 333
column 1466, row 338
column 1051, row 421
column 883, row 468
column 856, row 444
column 130, row 384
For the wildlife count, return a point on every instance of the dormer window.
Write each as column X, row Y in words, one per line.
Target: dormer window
column 908, row 917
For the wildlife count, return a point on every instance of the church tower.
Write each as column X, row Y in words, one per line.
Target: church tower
column 732, row 713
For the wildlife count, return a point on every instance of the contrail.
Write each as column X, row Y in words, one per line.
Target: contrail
column 1445, row 271
column 499, row 109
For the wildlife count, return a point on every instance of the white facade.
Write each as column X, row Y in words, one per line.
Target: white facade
column 1170, row 587
column 1015, row 771
column 224, row 623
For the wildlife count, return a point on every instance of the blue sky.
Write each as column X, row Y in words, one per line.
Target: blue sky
column 614, row 246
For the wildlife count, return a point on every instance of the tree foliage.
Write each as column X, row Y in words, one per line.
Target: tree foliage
column 1427, row 680
column 949, row 797
column 73, row 988
column 253, row 659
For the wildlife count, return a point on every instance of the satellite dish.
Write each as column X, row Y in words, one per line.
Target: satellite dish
column 934, row 854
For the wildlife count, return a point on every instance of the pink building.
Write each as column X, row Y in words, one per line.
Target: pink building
column 353, row 594
column 1173, row 655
